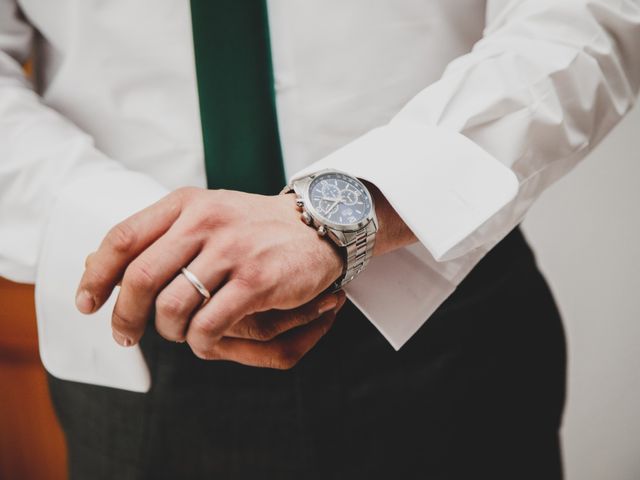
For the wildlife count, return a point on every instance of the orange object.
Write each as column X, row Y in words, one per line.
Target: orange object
column 31, row 442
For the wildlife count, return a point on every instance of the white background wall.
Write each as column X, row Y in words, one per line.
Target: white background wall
column 586, row 232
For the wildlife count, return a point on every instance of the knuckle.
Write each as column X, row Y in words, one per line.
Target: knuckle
column 208, row 208
column 122, row 322
column 182, row 191
column 205, row 326
column 138, row 276
column 94, row 280
column 174, row 203
column 89, row 260
column 185, row 193
column 286, row 359
column 205, row 353
column 202, row 220
column 170, row 306
column 122, row 237
column 168, row 334
column 263, row 333
column 201, row 354
column 288, row 363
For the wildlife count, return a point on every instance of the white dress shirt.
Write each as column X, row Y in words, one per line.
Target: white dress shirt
column 460, row 111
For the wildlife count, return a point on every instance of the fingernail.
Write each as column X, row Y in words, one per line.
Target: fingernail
column 327, row 305
column 121, row 339
column 85, row 302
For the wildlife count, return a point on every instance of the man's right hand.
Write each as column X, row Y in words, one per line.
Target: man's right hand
column 277, row 338
column 266, row 326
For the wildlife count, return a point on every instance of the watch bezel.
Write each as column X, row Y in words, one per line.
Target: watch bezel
column 302, row 187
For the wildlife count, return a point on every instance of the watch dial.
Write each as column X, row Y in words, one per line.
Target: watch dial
column 339, row 198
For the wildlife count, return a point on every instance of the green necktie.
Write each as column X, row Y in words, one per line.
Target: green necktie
column 237, row 100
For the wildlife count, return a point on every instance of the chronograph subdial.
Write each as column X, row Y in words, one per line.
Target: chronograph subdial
column 349, row 197
column 329, row 190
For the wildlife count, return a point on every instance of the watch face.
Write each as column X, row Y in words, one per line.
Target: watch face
column 339, row 198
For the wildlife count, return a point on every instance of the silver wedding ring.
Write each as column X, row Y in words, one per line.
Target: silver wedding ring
column 193, row 280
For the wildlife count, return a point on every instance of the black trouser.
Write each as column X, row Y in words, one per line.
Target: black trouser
column 476, row 394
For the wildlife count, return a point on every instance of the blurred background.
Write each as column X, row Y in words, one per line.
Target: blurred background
column 586, row 232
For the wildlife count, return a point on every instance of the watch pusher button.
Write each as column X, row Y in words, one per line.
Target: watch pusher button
column 299, row 203
column 322, row 230
column 306, row 218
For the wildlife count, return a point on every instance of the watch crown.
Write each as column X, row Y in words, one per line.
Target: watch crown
column 306, row 218
column 322, row 230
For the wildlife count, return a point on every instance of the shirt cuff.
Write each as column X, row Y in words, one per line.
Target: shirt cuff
column 444, row 187
column 74, row 346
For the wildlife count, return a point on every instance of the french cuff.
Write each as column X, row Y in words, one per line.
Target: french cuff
column 444, row 187
column 74, row 346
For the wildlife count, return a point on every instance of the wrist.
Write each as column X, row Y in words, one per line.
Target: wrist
column 325, row 254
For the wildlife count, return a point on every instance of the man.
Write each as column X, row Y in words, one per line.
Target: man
column 414, row 136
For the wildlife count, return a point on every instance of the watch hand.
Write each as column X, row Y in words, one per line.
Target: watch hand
column 328, row 212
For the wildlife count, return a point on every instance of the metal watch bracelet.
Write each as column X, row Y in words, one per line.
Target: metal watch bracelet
column 358, row 252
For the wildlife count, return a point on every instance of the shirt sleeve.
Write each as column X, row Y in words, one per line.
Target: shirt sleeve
column 41, row 154
column 463, row 161
column 59, row 195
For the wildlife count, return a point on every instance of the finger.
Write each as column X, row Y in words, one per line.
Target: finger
column 88, row 259
column 342, row 299
column 232, row 302
column 121, row 245
column 281, row 353
column 144, row 278
column 177, row 302
column 265, row 326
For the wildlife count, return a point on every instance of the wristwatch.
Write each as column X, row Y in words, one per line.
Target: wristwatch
column 340, row 208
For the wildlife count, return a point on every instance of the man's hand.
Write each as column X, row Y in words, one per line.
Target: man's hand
column 283, row 336
column 263, row 265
